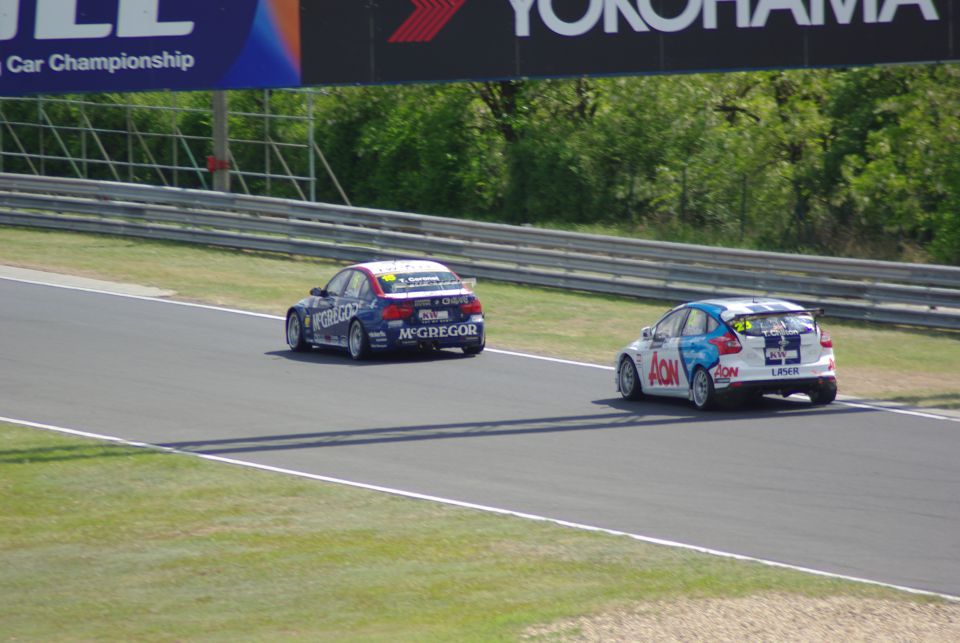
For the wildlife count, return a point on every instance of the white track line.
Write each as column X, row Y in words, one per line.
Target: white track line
column 470, row 505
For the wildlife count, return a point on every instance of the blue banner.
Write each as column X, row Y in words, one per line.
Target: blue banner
column 58, row 46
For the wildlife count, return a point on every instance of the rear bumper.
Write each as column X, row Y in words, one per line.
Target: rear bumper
column 782, row 386
column 454, row 335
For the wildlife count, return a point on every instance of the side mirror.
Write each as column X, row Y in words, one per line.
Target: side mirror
column 319, row 292
column 646, row 333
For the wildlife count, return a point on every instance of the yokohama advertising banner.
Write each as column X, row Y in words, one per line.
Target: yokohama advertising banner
column 385, row 41
column 50, row 46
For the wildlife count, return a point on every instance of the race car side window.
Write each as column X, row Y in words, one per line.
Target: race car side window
column 366, row 291
column 696, row 323
column 712, row 324
column 336, row 285
column 669, row 326
column 357, row 279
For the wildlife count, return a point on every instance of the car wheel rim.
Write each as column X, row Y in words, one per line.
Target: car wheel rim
column 626, row 378
column 700, row 388
column 355, row 339
column 293, row 330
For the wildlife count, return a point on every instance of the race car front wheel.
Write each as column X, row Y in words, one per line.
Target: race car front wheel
column 702, row 391
column 295, row 338
column 357, row 341
column 629, row 380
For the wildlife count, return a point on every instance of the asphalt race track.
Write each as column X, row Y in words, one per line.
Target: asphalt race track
column 842, row 489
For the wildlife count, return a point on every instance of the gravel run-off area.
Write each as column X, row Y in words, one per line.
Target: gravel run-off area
column 778, row 618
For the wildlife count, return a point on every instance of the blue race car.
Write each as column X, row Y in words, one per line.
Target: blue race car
column 389, row 305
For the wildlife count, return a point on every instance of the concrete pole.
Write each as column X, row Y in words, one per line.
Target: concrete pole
column 221, row 142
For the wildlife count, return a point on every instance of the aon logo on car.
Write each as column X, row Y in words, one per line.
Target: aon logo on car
column 727, row 371
column 664, row 372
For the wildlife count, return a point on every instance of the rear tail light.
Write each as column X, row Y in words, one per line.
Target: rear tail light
column 472, row 307
column 825, row 340
column 398, row 311
column 727, row 344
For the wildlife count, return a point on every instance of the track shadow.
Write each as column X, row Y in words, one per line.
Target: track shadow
column 763, row 407
column 655, row 416
column 340, row 358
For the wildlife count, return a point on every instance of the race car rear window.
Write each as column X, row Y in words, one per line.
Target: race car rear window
column 785, row 324
column 410, row 282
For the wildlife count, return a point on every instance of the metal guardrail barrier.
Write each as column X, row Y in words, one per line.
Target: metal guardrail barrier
column 886, row 292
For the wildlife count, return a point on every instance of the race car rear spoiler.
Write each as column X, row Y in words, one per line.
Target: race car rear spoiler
column 815, row 312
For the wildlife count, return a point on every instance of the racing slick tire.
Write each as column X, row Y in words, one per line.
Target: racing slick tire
column 702, row 393
column 823, row 394
column 295, row 339
column 358, row 344
column 628, row 380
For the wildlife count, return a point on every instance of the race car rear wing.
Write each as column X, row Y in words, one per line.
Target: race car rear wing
column 815, row 312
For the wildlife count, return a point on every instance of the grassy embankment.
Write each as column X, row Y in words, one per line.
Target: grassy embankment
column 901, row 365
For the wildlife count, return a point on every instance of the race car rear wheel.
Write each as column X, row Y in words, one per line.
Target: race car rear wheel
column 702, row 391
column 357, row 341
column 295, row 339
column 475, row 350
column 629, row 380
column 823, row 394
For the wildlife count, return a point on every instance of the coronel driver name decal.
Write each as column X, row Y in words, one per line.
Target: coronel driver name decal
column 439, row 332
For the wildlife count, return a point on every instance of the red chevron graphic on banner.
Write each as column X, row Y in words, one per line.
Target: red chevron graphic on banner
column 426, row 21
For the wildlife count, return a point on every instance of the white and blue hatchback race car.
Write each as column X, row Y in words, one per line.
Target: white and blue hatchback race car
column 731, row 349
column 389, row 305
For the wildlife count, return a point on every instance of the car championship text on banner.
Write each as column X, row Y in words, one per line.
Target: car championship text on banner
column 50, row 46
column 56, row 46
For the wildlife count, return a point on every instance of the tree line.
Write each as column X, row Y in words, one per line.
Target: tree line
column 853, row 162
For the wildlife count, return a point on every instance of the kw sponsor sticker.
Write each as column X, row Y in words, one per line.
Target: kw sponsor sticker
column 664, row 372
column 439, row 332
column 781, row 350
column 434, row 315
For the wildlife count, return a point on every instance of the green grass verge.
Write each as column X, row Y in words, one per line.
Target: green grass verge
column 106, row 542
column 882, row 362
